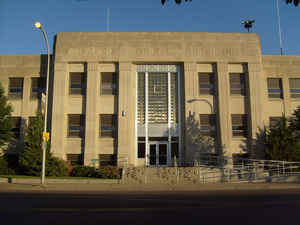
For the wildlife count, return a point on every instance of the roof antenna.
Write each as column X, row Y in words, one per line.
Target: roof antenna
column 248, row 24
column 107, row 20
column 279, row 29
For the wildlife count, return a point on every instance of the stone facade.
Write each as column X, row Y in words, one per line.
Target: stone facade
column 93, row 54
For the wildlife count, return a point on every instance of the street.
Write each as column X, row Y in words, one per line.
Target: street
column 206, row 207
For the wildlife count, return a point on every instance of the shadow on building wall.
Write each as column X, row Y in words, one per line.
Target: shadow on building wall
column 198, row 146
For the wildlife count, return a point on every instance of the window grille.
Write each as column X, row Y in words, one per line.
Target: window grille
column 274, row 87
column 107, row 160
column 75, row 159
column 239, row 125
column 206, row 84
column 107, row 125
column 77, row 83
column 174, row 98
column 294, row 87
column 237, row 84
column 158, row 98
column 38, row 85
column 15, row 88
column 108, row 83
column 141, row 98
column 76, row 125
column 208, row 124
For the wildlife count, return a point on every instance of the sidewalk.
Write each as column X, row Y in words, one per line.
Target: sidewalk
column 59, row 187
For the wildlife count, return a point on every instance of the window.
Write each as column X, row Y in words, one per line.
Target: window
column 274, row 87
column 76, row 125
column 107, row 125
column 274, row 121
column 108, row 83
column 295, row 87
column 237, row 84
column 239, row 125
column 77, row 83
column 38, row 85
column 174, row 150
column 16, row 128
column 141, row 149
column 75, row 159
column 15, row 88
column 206, row 84
column 208, row 124
column 107, row 160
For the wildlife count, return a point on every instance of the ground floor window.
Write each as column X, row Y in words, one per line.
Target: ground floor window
column 107, row 160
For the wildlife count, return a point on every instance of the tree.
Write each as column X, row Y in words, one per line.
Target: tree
column 176, row 1
column 281, row 142
column 296, row 2
column 31, row 159
column 295, row 121
column 5, row 119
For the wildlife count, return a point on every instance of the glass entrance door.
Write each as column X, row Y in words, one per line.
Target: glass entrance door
column 158, row 154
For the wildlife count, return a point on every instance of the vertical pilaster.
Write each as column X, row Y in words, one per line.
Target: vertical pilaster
column 224, row 114
column 255, row 115
column 126, row 112
column 190, row 86
column 286, row 96
column 58, row 112
column 91, row 119
column 25, row 105
column 26, row 96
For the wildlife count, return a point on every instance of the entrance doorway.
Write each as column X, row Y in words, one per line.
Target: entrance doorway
column 158, row 154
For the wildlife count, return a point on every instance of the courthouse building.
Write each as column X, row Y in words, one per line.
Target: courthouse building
column 147, row 97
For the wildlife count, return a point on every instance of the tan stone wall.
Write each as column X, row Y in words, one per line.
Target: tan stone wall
column 93, row 53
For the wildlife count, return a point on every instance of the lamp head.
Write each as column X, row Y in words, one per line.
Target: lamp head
column 38, row 25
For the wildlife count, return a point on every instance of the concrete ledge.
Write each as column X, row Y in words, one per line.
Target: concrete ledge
column 58, row 181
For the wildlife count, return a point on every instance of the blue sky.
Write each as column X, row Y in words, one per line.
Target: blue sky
column 18, row 35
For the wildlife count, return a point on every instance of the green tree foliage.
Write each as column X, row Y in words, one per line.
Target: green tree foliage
column 281, row 142
column 295, row 121
column 5, row 120
column 4, row 168
column 31, row 159
column 176, row 1
column 296, row 2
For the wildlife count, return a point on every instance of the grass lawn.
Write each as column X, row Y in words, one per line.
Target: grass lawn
column 34, row 177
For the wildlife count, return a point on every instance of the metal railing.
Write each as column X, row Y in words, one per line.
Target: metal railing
column 216, row 169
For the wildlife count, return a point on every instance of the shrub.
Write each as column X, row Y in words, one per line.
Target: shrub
column 57, row 168
column 4, row 169
column 84, row 171
column 108, row 172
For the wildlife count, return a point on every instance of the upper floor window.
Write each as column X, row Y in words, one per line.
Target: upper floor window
column 239, row 125
column 107, row 125
column 295, row 87
column 15, row 89
column 108, row 83
column 274, row 87
column 77, row 83
column 208, row 124
column 76, row 125
column 38, row 85
column 206, row 83
column 16, row 128
column 237, row 84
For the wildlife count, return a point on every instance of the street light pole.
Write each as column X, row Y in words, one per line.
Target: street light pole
column 44, row 144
